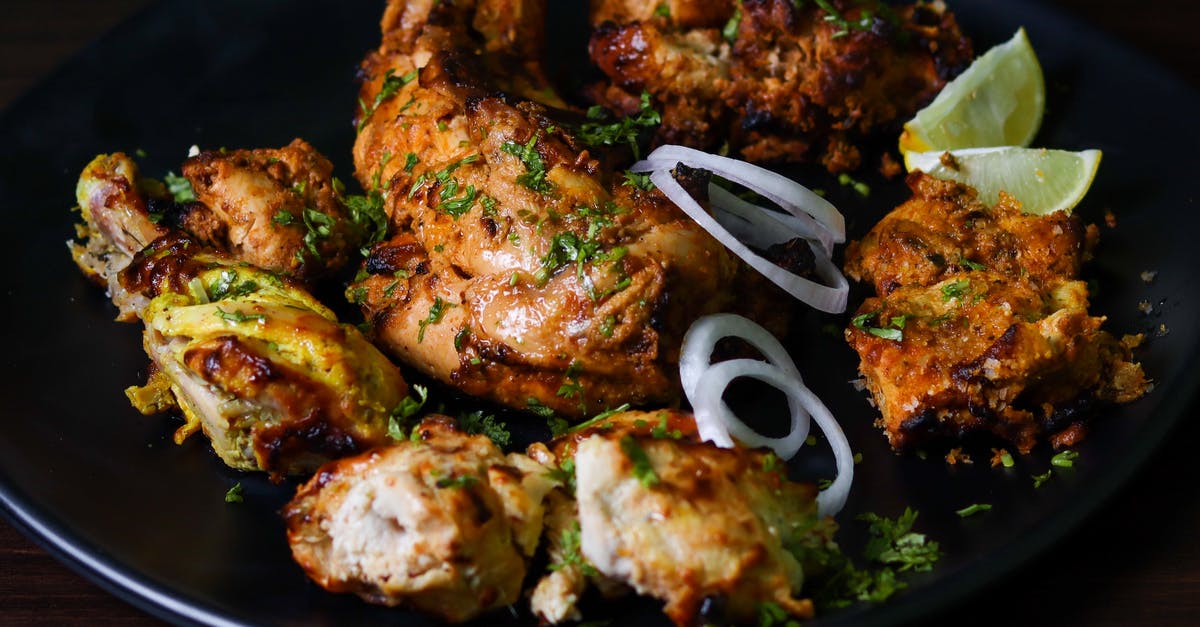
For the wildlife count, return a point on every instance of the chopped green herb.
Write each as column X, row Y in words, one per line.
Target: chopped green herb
column 457, row 482
column 410, row 161
column 399, row 420
column 638, row 180
column 442, row 126
column 536, row 406
column 772, row 615
column 730, row 31
column 391, row 85
column 180, row 188
column 367, row 213
column 1038, row 480
column 894, row 332
column 862, row 189
column 608, row 325
column 955, row 289
column 436, row 311
column 570, row 554
column 894, row 543
column 239, row 317
column 662, row 10
column 967, row 263
column 973, row 509
column 564, row 475
column 534, row 177
column 234, row 494
column 318, row 227
column 558, row 426
column 1065, row 459
column 477, row 422
column 460, row 336
column 283, row 217
column 660, row 431
column 623, row 131
column 643, row 470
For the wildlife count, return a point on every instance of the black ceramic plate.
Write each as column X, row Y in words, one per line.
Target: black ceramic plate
column 106, row 490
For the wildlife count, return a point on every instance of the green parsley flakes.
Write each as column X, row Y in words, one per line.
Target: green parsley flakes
column 234, row 494
column 391, row 85
column 596, row 132
column 179, row 187
column 534, row 177
column 436, row 312
column 643, row 470
column 973, row 509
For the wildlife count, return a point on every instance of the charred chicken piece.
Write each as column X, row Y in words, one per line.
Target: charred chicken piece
column 277, row 209
column 679, row 520
column 779, row 80
column 445, row 524
column 249, row 357
column 980, row 325
column 521, row 268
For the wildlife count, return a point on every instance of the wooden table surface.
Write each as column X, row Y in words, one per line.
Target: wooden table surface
column 1136, row 561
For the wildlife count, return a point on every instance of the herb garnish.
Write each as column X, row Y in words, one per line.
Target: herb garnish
column 478, row 422
column 955, row 289
column 623, row 131
column 391, row 85
column 436, row 311
column 234, row 494
column 730, row 31
column 570, row 553
column 894, row 331
column 239, row 317
column 457, row 482
column 643, row 470
column 398, row 421
column 534, row 177
column 180, row 188
column 973, row 509
column 318, row 228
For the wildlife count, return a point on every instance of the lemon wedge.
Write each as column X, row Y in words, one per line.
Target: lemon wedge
column 1043, row 180
column 997, row 101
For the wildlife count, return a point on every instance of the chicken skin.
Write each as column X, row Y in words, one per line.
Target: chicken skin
column 980, row 324
column 778, row 80
column 521, row 268
column 445, row 523
column 247, row 355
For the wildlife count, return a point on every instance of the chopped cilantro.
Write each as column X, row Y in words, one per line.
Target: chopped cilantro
column 894, row 543
column 955, row 289
column 623, row 131
column 283, row 217
column 436, row 311
column 1038, row 480
column 180, row 188
column 570, row 554
column 972, row 265
column 894, row 331
column 239, row 317
column 457, row 482
column 730, row 31
column 478, row 422
column 862, row 189
column 638, row 180
column 536, row 406
column 534, row 177
column 660, row 431
column 973, row 509
column 318, row 227
column 1065, row 459
column 391, row 85
column 643, row 470
column 367, row 213
column 234, row 494
column 398, row 421
column 564, row 475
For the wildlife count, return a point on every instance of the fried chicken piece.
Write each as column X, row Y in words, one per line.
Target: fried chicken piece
column 249, row 357
column 679, row 520
column 276, row 209
column 445, row 524
column 777, row 80
column 943, row 230
column 521, row 268
column 980, row 325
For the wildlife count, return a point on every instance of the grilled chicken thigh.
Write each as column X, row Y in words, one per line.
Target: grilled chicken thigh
column 980, row 323
column 776, row 79
column 522, row 269
column 679, row 520
column 247, row 355
column 445, row 523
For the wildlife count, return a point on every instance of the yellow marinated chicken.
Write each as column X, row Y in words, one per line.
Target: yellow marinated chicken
column 675, row 519
column 775, row 80
column 445, row 523
column 980, row 324
column 248, row 356
column 522, row 269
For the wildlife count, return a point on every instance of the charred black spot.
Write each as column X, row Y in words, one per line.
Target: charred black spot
column 489, row 226
column 921, row 425
column 795, row 256
column 1075, row 411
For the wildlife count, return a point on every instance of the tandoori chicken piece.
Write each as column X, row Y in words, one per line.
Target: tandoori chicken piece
column 980, row 325
column 248, row 356
column 445, row 523
column 776, row 79
column 522, row 269
column 676, row 519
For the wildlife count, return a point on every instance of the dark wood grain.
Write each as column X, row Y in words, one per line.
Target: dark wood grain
column 1135, row 562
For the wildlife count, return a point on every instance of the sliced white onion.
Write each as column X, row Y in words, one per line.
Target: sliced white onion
column 792, row 196
column 704, row 384
column 821, row 297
